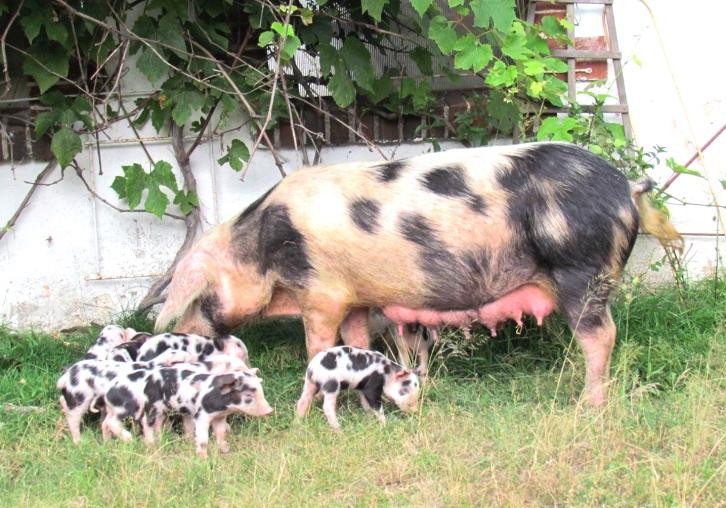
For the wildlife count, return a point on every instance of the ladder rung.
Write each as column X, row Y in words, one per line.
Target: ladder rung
column 587, row 108
column 587, row 54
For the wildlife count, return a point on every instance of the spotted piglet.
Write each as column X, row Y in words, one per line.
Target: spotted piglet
column 200, row 346
column 368, row 372
column 204, row 399
column 110, row 337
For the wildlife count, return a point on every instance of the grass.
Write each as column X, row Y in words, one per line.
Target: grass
column 501, row 425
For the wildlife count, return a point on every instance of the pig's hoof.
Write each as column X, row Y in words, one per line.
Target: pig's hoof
column 202, row 454
column 126, row 437
column 223, row 449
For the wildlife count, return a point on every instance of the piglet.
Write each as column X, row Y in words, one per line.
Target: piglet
column 110, row 337
column 206, row 397
column 368, row 372
column 199, row 345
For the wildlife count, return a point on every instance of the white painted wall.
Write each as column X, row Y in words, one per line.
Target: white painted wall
column 71, row 260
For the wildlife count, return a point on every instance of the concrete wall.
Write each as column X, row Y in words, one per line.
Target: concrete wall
column 71, row 260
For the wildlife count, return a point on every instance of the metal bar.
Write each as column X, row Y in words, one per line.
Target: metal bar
column 692, row 159
column 586, row 54
column 571, row 75
column 612, row 37
column 587, row 108
column 594, row 2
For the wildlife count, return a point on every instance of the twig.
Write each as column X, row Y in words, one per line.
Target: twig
column 38, row 179
column 192, row 221
column 136, row 132
column 203, row 128
column 6, row 73
column 79, row 172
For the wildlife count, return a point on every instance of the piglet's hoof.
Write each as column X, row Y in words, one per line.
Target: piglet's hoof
column 202, row 453
column 223, row 449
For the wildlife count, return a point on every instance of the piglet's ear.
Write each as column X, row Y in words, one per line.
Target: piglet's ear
column 224, row 379
column 402, row 373
column 254, row 371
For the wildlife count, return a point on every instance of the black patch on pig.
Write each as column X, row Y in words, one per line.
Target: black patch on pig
column 282, row 246
column 406, row 383
column 329, row 361
column 389, row 171
column 330, row 386
column 364, row 214
column 71, row 399
column 186, row 373
column 451, row 181
column 198, row 348
column 208, row 349
column 211, row 307
column 93, row 370
column 170, row 385
column 185, row 342
column 121, row 397
column 252, row 207
column 215, row 400
column 153, row 391
column 360, row 361
column 452, row 283
column 90, row 356
column 136, row 375
column 344, row 385
column 74, row 375
column 372, row 387
column 200, row 377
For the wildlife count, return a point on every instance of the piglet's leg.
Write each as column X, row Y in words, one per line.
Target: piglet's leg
column 73, row 419
column 378, row 413
column 201, row 432
column 303, row 405
column 354, row 329
column 114, row 426
column 147, row 424
column 219, row 427
column 188, row 424
column 329, row 410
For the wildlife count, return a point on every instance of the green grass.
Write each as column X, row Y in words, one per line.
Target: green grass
column 501, row 424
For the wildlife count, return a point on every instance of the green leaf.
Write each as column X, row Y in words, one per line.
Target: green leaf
column 32, row 22
column 170, row 32
column 119, row 185
column 341, row 87
column 236, row 155
column 555, row 64
column 162, row 174
column 156, row 201
column 535, row 88
column 283, row 29
column 135, row 183
column 151, row 66
column 421, row 6
column 58, row 32
column 552, row 27
column 358, row 60
column 456, row 3
column 328, row 58
column 292, row 43
column 557, row 129
column 422, row 58
column 504, row 112
column 382, row 88
column 679, row 168
column 617, row 132
column 442, row 34
column 44, row 121
column 266, row 38
column 185, row 103
column 65, row 146
column 374, row 8
column 501, row 74
column 46, row 65
column 471, row 55
column 515, row 46
column 723, row 184
column 186, row 200
column 501, row 12
column 534, row 67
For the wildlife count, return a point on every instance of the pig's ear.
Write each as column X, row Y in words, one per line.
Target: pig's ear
column 402, row 373
column 129, row 334
column 254, row 371
column 223, row 380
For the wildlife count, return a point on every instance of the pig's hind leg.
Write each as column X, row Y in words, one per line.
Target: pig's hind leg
column 584, row 302
column 219, row 427
column 303, row 405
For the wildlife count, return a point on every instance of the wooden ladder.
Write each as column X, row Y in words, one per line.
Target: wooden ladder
column 571, row 55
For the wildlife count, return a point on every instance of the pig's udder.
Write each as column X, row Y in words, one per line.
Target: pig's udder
column 529, row 299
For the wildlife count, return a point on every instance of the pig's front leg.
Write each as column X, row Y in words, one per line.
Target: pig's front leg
column 303, row 405
column 147, row 424
column 322, row 317
column 378, row 413
column 219, row 427
column 188, row 425
column 354, row 329
column 201, row 432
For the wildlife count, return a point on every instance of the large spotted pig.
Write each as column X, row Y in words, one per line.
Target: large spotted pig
column 368, row 372
column 204, row 398
column 448, row 238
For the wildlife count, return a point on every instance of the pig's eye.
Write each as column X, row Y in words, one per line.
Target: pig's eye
column 248, row 401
